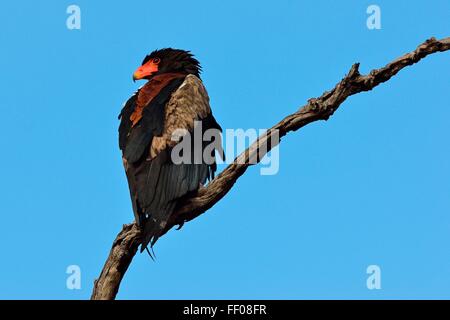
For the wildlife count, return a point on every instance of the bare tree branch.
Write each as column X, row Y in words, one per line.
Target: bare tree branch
column 321, row 108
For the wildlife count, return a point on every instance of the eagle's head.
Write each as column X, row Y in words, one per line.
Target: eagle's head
column 167, row 60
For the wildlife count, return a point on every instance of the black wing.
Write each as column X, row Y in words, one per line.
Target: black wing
column 155, row 182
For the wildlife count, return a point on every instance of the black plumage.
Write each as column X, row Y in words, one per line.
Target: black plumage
column 176, row 60
column 156, row 183
column 135, row 142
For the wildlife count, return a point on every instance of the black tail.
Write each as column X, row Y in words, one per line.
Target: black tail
column 151, row 231
column 151, row 254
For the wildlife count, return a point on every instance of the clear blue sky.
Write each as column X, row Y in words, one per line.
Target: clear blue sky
column 370, row 186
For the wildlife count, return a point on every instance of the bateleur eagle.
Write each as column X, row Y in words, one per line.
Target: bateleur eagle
column 172, row 99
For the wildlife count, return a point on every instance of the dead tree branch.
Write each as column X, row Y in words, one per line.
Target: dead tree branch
column 125, row 245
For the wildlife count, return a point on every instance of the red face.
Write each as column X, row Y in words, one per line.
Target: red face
column 147, row 69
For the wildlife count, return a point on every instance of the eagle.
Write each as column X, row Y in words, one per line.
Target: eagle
column 155, row 121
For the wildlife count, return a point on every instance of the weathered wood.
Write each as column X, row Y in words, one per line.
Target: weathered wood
column 321, row 108
column 122, row 252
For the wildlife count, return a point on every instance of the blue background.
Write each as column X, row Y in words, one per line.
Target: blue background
column 370, row 186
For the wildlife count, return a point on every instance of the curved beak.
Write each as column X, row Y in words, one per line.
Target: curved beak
column 145, row 71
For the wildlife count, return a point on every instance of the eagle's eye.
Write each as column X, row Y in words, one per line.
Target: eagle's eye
column 156, row 60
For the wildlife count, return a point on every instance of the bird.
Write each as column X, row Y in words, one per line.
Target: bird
column 173, row 100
